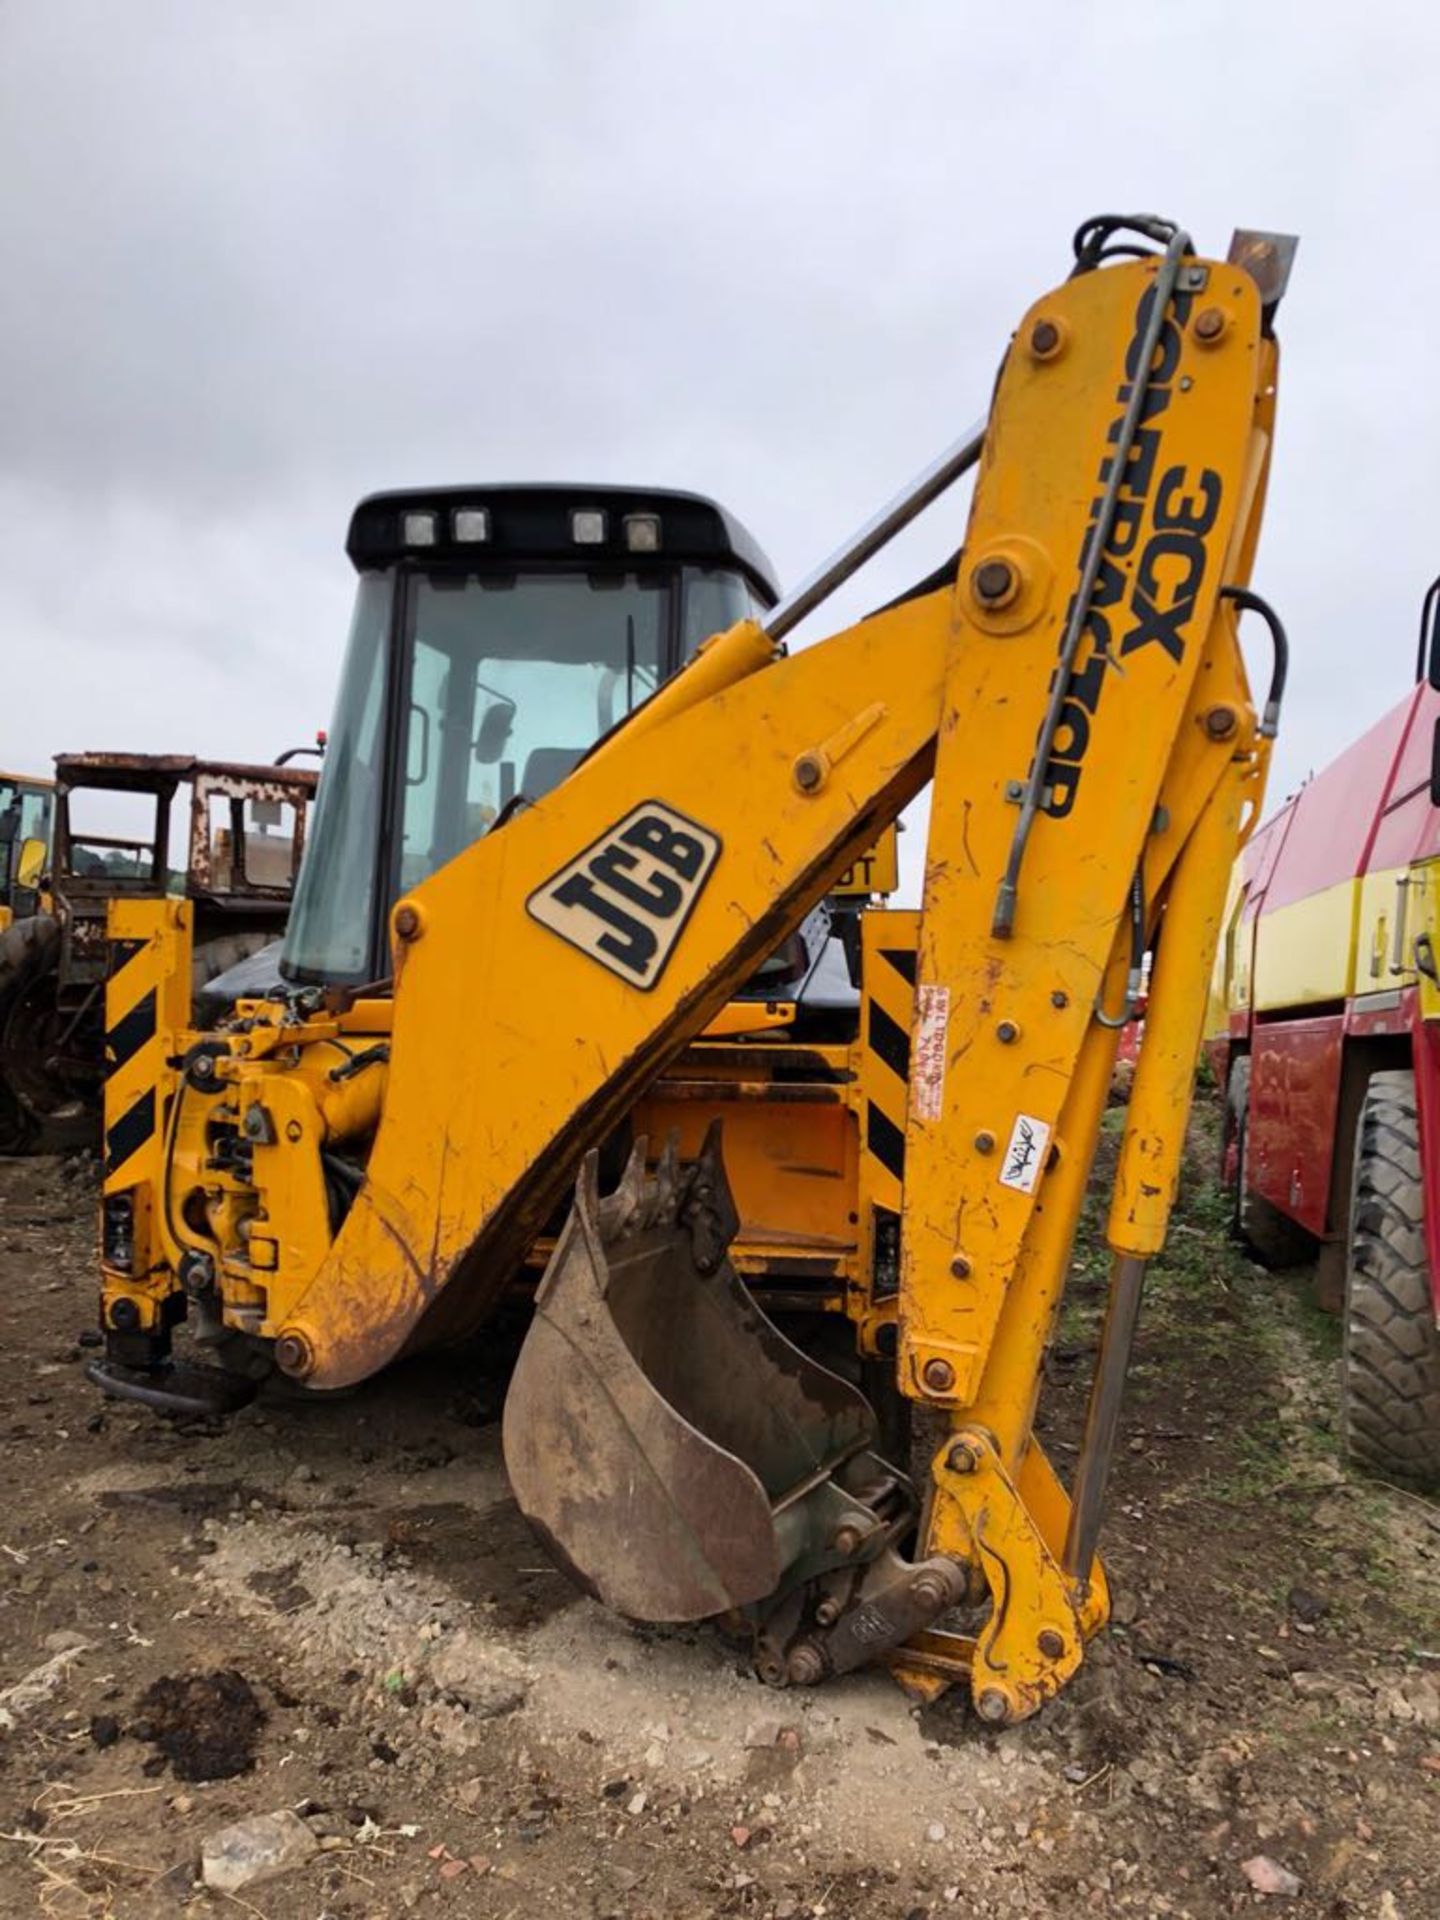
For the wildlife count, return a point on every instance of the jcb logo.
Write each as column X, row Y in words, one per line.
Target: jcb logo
column 625, row 899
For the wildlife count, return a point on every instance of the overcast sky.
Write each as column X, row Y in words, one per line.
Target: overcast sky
column 257, row 259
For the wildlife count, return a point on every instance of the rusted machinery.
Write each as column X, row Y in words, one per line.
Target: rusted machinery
column 162, row 828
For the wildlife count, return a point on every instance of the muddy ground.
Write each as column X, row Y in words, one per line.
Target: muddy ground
column 337, row 1609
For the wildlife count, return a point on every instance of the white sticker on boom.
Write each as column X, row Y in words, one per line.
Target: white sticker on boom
column 927, row 1074
column 1025, row 1155
column 624, row 901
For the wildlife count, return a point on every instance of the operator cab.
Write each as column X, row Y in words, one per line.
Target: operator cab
column 498, row 633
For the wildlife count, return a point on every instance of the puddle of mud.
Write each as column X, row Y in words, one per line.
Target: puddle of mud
column 205, row 1724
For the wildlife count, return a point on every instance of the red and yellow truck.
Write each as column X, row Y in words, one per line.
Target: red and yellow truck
column 1325, row 1034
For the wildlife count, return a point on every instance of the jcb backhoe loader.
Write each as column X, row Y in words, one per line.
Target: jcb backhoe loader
column 354, row 1167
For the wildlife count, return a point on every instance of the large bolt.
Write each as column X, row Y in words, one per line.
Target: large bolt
column 938, row 1375
column 806, row 1665
column 1219, row 722
column 960, row 1267
column 1007, row 1033
column 846, row 1538
column 1210, row 323
column 962, row 1458
column 124, row 1316
column 809, row 773
column 1045, row 339
column 1051, row 1644
column 827, row 1611
column 993, row 1707
column 984, row 1141
column 995, row 583
column 197, row 1273
column 294, row 1355
column 928, row 1590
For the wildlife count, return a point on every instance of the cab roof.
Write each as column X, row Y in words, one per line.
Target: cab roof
column 536, row 523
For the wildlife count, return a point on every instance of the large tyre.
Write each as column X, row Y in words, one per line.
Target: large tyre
column 1275, row 1240
column 1392, row 1348
column 38, row 1112
column 15, row 1131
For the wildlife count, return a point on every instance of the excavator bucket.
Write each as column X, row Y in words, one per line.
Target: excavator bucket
column 674, row 1450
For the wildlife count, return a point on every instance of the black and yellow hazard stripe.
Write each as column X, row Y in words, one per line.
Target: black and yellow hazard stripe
column 146, row 994
column 887, row 1011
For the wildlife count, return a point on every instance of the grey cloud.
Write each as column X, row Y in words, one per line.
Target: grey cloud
column 261, row 258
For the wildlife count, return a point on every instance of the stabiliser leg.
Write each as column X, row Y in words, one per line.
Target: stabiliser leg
column 1033, row 1548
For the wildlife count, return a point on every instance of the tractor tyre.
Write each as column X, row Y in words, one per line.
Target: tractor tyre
column 1273, row 1238
column 1392, row 1346
column 29, row 957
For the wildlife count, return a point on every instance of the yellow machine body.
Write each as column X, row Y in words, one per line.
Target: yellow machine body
column 27, row 811
column 553, row 986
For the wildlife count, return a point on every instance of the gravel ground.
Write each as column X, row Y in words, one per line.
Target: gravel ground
column 335, row 1609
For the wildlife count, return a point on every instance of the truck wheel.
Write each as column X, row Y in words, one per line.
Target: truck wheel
column 1274, row 1239
column 1392, row 1348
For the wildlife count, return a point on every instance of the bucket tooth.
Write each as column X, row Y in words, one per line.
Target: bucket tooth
column 707, row 1206
column 619, row 1213
column 669, row 1445
column 665, row 1182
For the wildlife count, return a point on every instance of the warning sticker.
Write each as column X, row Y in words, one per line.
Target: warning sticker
column 1025, row 1155
column 927, row 1073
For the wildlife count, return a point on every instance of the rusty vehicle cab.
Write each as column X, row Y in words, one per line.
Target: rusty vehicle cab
column 1325, row 1034
column 243, row 833
column 226, row 838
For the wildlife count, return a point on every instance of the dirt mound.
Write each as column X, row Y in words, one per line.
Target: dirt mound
column 205, row 1724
